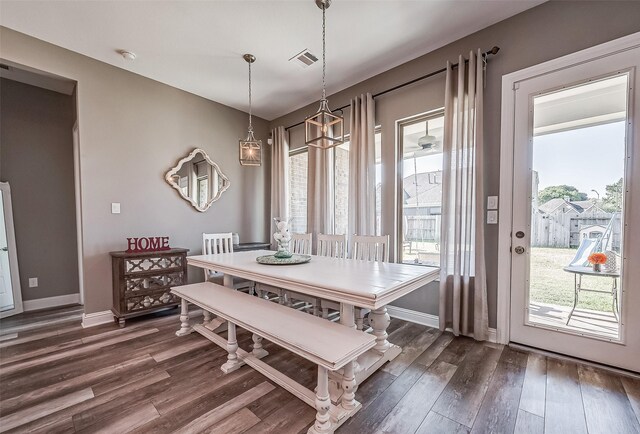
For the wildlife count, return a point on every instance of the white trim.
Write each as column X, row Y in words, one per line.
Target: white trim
column 45, row 303
column 96, row 318
column 414, row 316
column 78, row 196
column 509, row 83
column 425, row 319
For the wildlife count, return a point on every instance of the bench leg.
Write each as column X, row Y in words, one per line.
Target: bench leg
column 380, row 320
column 185, row 327
column 258, row 351
column 232, row 363
column 323, row 405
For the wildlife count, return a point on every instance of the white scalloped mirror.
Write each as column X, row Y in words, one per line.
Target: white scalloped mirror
column 198, row 179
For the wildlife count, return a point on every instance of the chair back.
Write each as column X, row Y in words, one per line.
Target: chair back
column 334, row 246
column 301, row 243
column 370, row 248
column 215, row 244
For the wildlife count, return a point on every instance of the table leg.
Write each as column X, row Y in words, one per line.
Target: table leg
column 207, row 316
column 380, row 320
column 258, row 351
column 185, row 327
column 349, row 384
column 577, row 281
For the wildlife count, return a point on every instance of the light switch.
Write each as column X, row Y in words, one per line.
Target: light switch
column 115, row 208
column 492, row 202
column 33, row 282
column 492, row 217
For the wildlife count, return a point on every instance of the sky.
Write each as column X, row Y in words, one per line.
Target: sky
column 586, row 158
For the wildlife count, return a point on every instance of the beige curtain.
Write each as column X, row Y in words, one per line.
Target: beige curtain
column 463, row 288
column 279, row 175
column 362, row 172
column 320, row 191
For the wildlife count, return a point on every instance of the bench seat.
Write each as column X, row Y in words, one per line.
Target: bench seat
column 325, row 343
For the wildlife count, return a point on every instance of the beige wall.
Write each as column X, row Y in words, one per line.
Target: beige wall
column 38, row 164
column 545, row 32
column 132, row 130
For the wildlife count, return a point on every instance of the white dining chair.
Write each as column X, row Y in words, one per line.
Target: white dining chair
column 218, row 244
column 370, row 248
column 334, row 246
column 301, row 243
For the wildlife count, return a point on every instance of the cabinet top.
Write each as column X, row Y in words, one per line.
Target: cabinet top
column 124, row 254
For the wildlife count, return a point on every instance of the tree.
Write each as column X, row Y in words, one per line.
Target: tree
column 612, row 201
column 560, row 192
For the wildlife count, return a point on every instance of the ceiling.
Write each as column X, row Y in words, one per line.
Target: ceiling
column 197, row 46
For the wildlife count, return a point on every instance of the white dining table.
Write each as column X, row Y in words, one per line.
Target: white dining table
column 352, row 283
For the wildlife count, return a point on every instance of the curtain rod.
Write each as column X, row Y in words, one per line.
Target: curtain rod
column 493, row 51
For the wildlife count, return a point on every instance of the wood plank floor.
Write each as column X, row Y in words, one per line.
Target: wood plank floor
column 56, row 376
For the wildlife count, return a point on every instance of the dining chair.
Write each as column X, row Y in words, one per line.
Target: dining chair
column 301, row 243
column 370, row 248
column 334, row 246
column 218, row 244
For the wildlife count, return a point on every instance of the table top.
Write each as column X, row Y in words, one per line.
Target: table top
column 589, row 271
column 360, row 283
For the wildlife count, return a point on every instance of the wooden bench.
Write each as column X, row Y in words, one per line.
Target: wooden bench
column 329, row 345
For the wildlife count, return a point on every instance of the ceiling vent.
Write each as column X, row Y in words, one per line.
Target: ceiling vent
column 304, row 58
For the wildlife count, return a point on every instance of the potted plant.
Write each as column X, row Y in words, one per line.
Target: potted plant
column 597, row 259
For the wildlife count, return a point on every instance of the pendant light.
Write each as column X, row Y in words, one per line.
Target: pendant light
column 324, row 129
column 250, row 148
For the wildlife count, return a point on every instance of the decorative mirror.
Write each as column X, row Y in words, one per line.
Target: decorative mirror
column 198, row 179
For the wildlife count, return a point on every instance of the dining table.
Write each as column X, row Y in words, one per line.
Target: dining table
column 349, row 282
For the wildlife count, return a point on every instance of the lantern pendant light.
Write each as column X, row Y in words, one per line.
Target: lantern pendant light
column 250, row 148
column 324, row 129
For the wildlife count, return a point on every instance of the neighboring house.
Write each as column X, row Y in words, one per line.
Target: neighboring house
column 422, row 206
column 564, row 223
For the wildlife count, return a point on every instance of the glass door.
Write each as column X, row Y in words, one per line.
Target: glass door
column 572, row 284
column 10, row 296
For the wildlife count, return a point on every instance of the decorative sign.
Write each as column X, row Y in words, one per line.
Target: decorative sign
column 147, row 244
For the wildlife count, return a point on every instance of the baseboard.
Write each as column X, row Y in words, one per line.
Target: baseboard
column 96, row 318
column 413, row 316
column 425, row 319
column 45, row 303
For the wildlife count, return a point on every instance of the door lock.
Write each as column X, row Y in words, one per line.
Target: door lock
column 519, row 250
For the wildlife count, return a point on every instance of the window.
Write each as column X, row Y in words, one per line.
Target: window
column 421, row 148
column 341, row 185
column 298, row 167
column 298, row 191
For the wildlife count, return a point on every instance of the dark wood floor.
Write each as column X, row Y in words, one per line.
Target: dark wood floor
column 63, row 378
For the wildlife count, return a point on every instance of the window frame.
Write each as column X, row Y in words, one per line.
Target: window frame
column 400, row 125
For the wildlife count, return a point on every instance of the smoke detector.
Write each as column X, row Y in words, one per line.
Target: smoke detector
column 127, row 55
column 304, row 58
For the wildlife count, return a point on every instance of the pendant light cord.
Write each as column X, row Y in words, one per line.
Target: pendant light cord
column 250, row 111
column 324, row 61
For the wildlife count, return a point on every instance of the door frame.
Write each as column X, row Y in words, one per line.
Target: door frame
column 510, row 82
column 13, row 253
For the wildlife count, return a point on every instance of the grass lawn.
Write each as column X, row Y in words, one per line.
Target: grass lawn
column 550, row 284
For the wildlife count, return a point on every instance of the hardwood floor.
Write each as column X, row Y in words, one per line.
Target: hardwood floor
column 56, row 376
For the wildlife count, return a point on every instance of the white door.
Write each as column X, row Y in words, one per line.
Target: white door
column 576, row 200
column 10, row 295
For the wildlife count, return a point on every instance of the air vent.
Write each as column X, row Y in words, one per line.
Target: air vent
column 304, row 58
column 3, row 66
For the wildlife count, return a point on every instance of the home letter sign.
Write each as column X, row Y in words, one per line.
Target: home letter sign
column 147, row 244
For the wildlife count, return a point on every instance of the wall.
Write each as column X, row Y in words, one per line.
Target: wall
column 132, row 130
column 545, row 32
column 36, row 158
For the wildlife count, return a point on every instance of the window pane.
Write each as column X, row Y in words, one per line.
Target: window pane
column 341, row 189
column 298, row 192
column 422, row 190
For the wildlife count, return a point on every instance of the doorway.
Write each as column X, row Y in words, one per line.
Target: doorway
column 570, row 217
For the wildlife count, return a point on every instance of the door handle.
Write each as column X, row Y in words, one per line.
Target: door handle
column 4, row 249
column 519, row 250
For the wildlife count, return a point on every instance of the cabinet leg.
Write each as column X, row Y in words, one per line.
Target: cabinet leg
column 121, row 321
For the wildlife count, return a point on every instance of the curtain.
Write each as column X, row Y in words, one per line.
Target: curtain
column 320, row 191
column 463, row 288
column 279, row 175
column 362, row 172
